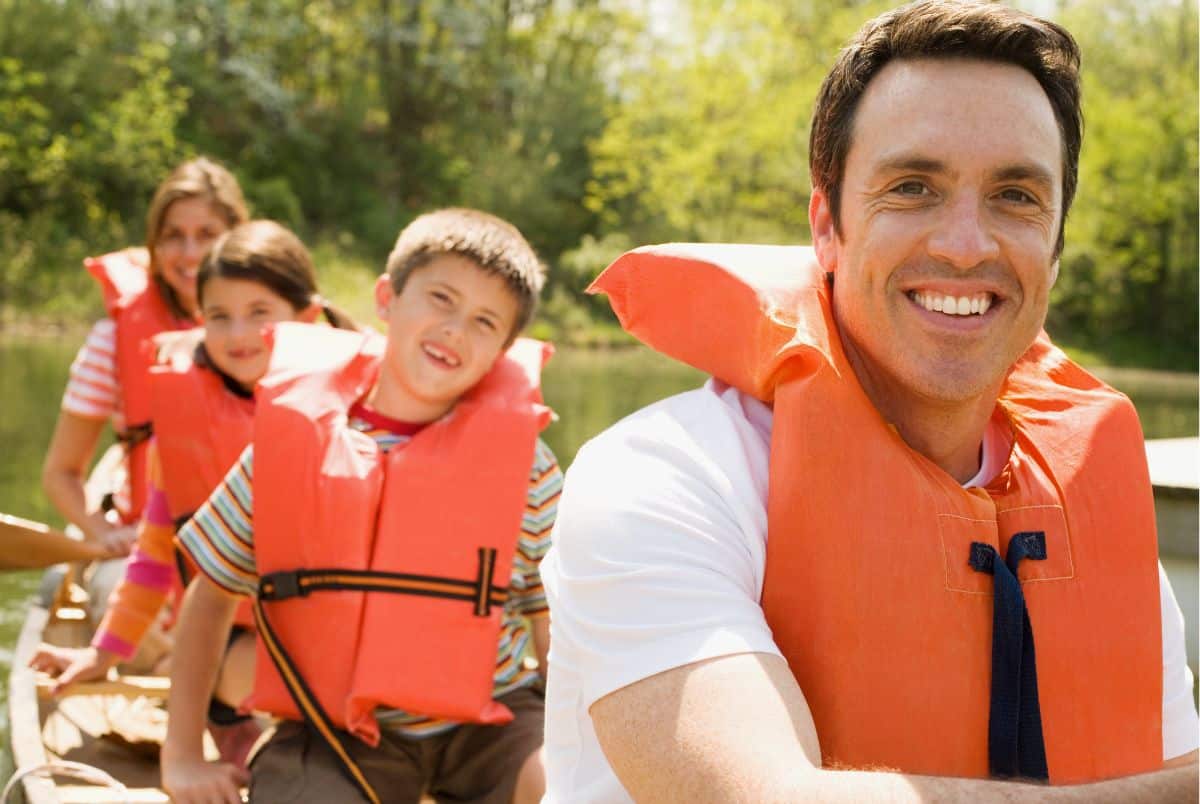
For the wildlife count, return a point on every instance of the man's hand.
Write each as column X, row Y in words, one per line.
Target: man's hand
column 189, row 781
column 69, row 665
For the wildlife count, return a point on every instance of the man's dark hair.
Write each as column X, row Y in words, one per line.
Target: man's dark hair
column 946, row 29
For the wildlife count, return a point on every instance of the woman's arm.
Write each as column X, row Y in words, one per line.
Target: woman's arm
column 71, row 449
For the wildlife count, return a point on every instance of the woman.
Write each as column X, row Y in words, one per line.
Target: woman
column 146, row 291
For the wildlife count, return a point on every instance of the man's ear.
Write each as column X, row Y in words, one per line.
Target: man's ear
column 383, row 296
column 1054, row 272
column 824, row 234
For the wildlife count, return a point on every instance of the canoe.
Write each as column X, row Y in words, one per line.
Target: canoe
column 100, row 739
column 114, row 727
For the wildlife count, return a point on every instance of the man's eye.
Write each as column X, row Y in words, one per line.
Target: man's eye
column 912, row 188
column 440, row 296
column 487, row 323
column 216, row 317
column 1017, row 195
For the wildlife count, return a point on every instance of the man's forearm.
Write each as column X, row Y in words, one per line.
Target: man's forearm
column 1172, row 785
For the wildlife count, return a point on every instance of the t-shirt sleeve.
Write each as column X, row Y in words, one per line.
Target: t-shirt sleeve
column 659, row 547
column 220, row 535
column 92, row 388
column 1180, row 725
column 541, row 507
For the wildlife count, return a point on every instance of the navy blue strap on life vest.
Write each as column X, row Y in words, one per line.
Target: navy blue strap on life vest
column 1016, row 747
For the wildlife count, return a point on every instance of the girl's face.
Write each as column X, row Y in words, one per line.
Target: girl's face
column 235, row 313
column 188, row 229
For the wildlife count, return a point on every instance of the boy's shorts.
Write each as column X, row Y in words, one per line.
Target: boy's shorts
column 471, row 764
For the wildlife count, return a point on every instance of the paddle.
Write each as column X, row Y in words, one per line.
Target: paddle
column 31, row 545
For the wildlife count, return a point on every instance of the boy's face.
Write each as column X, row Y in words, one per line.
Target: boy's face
column 445, row 330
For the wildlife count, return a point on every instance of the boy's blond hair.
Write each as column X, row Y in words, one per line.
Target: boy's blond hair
column 493, row 244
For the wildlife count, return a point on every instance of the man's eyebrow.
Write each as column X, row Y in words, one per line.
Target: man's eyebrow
column 1026, row 171
column 911, row 163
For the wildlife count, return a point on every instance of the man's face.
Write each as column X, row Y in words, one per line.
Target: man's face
column 951, row 202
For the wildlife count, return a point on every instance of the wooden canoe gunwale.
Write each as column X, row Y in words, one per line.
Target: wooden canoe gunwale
column 24, row 724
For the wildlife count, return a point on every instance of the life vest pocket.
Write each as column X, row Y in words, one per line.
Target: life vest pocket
column 958, row 532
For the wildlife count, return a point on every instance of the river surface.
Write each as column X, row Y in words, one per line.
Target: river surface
column 589, row 390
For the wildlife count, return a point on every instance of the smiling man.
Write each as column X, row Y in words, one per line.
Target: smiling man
column 899, row 548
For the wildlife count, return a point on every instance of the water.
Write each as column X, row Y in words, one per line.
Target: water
column 589, row 391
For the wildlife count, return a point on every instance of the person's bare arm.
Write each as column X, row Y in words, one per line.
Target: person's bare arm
column 205, row 619
column 540, row 626
column 71, row 449
column 738, row 729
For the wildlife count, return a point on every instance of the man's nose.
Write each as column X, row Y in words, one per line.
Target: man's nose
column 963, row 237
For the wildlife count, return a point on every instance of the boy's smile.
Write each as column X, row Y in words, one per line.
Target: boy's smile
column 445, row 330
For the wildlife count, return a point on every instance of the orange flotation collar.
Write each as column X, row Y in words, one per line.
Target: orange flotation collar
column 201, row 427
column 887, row 586
column 435, row 523
column 139, row 311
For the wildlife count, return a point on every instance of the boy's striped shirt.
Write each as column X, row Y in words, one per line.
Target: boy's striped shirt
column 220, row 538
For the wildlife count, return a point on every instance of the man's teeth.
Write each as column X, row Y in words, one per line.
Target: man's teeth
column 977, row 304
column 443, row 356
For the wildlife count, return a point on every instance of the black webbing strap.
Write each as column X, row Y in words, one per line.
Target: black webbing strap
column 135, row 434
column 1016, row 747
column 300, row 583
column 314, row 714
column 276, row 586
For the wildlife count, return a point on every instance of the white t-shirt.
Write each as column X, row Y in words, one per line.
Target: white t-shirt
column 657, row 562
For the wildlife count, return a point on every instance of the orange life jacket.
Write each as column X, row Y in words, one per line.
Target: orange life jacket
column 201, row 428
column 137, row 307
column 875, row 587
column 436, row 521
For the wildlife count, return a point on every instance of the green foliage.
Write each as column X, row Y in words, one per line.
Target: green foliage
column 593, row 126
column 1129, row 274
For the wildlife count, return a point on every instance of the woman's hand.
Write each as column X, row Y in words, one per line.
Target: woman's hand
column 115, row 539
column 69, row 665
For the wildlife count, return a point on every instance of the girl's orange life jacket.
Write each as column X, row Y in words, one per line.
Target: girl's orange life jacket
column 137, row 307
column 201, row 428
column 869, row 589
column 436, row 521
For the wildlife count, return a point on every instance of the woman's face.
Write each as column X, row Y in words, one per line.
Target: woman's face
column 188, row 229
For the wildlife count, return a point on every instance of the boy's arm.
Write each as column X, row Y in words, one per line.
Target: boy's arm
column 200, row 636
column 737, row 728
column 219, row 538
column 541, row 643
column 541, row 509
